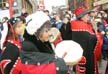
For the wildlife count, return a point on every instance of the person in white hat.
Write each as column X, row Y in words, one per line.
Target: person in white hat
column 37, row 51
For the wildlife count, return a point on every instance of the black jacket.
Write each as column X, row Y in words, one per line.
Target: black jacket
column 85, row 36
column 44, row 47
column 66, row 32
column 32, row 56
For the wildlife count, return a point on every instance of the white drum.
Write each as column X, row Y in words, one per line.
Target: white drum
column 70, row 51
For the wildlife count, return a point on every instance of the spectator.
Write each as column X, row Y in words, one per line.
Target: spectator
column 105, row 46
column 66, row 29
column 5, row 19
column 58, row 22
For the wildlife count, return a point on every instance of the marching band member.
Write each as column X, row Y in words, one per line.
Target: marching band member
column 37, row 55
column 83, row 33
column 12, row 48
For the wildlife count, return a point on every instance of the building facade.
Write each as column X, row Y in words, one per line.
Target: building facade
column 73, row 4
column 15, row 7
column 29, row 6
column 102, row 4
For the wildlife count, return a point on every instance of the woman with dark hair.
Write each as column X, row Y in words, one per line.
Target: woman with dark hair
column 37, row 52
column 66, row 29
column 10, row 54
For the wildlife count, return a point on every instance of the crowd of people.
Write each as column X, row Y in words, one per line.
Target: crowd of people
column 25, row 47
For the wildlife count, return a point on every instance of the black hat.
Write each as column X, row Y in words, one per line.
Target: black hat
column 14, row 20
column 24, row 14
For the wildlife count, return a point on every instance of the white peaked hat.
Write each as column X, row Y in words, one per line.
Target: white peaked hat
column 35, row 21
column 70, row 51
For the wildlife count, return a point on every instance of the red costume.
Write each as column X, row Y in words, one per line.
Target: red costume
column 83, row 33
column 8, row 59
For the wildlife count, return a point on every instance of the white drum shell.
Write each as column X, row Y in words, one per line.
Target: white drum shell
column 74, row 51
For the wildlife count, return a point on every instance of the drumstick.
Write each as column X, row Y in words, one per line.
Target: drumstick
column 65, row 53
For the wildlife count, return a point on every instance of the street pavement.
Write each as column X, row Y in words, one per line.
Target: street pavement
column 102, row 67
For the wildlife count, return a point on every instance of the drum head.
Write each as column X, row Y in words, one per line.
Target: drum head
column 70, row 51
column 54, row 34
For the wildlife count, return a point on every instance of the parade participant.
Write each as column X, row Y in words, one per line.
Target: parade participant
column 10, row 52
column 39, row 34
column 83, row 33
column 37, row 55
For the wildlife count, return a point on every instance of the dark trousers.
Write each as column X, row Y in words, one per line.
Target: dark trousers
column 104, row 54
